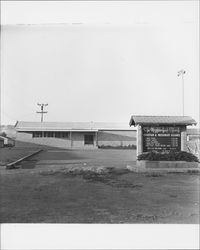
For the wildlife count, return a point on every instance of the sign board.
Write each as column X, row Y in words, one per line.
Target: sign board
column 161, row 138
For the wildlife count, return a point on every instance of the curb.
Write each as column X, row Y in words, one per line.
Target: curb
column 164, row 170
column 13, row 164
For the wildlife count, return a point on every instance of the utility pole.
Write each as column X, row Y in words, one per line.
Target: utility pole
column 42, row 109
column 181, row 73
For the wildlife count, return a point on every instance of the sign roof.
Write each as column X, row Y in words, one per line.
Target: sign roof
column 161, row 120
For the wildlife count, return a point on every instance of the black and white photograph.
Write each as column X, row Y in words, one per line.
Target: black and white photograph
column 99, row 114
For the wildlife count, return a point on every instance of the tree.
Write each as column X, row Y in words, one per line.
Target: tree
column 3, row 134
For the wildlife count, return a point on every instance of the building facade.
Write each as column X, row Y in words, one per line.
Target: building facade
column 83, row 135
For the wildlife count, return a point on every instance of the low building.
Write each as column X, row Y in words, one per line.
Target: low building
column 84, row 135
column 6, row 141
column 10, row 142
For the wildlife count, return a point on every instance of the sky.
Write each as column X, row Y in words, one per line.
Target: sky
column 98, row 61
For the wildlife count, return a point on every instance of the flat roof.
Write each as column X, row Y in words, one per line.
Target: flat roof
column 70, row 126
column 161, row 120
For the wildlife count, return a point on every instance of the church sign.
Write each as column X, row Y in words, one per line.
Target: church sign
column 161, row 133
column 161, row 138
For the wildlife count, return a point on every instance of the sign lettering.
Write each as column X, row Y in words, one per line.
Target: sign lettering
column 161, row 138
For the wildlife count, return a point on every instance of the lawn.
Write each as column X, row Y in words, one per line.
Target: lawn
column 21, row 149
column 55, row 196
column 44, row 191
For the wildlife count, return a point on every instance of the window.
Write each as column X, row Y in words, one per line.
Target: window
column 89, row 139
column 62, row 134
column 50, row 134
column 37, row 134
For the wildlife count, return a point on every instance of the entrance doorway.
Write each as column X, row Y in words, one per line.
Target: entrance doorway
column 89, row 139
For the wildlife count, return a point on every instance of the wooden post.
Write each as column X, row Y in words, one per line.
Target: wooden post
column 139, row 140
column 97, row 139
column 183, row 139
column 70, row 136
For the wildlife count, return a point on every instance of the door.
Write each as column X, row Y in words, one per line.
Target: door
column 89, row 139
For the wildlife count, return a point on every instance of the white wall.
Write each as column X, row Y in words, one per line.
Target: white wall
column 78, row 140
column 106, row 138
column 116, row 138
column 54, row 142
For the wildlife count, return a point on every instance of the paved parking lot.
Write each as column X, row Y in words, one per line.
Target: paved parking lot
column 108, row 157
column 60, row 156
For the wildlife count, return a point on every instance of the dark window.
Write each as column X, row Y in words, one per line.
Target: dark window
column 89, row 139
column 62, row 134
column 50, row 134
column 57, row 134
column 37, row 134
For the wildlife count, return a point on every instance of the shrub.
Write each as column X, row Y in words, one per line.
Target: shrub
column 130, row 146
column 170, row 156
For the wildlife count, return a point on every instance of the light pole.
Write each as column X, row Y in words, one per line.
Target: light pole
column 42, row 110
column 181, row 73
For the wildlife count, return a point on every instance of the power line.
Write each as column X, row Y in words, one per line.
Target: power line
column 42, row 112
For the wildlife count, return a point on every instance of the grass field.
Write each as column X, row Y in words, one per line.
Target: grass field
column 10, row 154
column 50, row 194
column 56, row 197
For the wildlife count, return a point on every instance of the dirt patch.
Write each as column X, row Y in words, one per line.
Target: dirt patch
column 110, row 179
column 106, row 175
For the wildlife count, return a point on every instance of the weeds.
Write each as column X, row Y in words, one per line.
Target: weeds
column 106, row 175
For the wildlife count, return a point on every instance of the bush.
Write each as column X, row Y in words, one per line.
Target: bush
column 170, row 156
column 117, row 147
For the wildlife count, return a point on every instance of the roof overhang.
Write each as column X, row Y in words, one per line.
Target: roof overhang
column 54, row 130
column 162, row 120
column 70, row 126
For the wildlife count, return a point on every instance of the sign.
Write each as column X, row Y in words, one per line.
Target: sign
column 161, row 138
